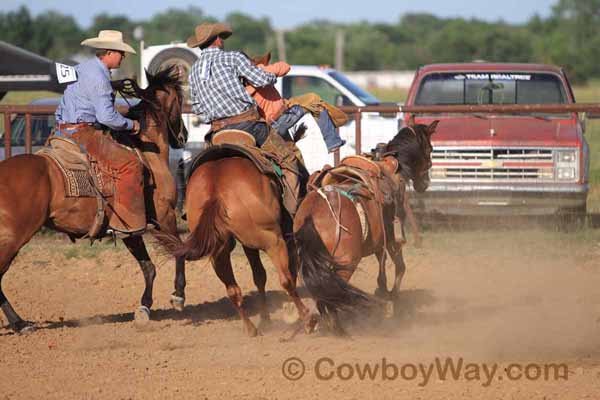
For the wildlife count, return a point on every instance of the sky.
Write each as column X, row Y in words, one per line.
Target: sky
column 286, row 14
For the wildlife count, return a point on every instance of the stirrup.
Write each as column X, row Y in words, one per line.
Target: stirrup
column 123, row 235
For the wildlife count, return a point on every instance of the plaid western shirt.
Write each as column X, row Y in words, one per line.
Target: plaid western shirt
column 215, row 86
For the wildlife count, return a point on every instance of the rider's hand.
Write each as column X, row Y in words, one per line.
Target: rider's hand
column 136, row 127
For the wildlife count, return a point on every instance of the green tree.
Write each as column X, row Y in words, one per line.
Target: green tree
column 65, row 38
column 575, row 40
column 16, row 27
column 253, row 36
column 173, row 25
column 311, row 43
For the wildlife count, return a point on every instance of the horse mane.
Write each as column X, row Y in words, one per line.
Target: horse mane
column 407, row 147
column 165, row 78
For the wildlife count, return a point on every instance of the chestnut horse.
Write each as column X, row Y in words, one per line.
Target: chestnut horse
column 229, row 199
column 32, row 192
column 330, row 237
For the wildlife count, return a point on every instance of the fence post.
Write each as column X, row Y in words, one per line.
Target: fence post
column 28, row 133
column 358, row 130
column 7, row 135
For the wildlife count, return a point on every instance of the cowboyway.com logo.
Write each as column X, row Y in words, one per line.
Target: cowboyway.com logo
column 327, row 369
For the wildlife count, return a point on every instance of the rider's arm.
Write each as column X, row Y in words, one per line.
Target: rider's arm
column 280, row 68
column 106, row 113
column 256, row 76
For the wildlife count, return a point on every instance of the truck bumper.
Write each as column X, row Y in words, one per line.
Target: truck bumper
column 494, row 201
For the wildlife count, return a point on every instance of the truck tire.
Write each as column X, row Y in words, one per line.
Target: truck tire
column 175, row 56
column 572, row 220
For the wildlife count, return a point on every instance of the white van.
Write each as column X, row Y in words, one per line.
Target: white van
column 331, row 85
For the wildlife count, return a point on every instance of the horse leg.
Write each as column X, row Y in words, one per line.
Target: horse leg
column 280, row 256
column 381, row 291
column 168, row 222
column 11, row 241
column 136, row 246
column 178, row 296
column 222, row 266
column 395, row 252
column 410, row 216
column 15, row 322
column 260, row 280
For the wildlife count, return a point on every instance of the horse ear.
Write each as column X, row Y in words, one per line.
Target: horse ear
column 432, row 126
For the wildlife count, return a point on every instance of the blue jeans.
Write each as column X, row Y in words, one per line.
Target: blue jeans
column 287, row 120
column 291, row 116
column 330, row 134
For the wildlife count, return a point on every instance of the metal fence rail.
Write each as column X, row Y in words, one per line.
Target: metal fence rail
column 594, row 108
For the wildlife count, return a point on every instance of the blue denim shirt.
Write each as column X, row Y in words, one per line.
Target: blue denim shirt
column 91, row 98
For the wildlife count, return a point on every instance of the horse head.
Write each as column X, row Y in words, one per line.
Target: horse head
column 161, row 106
column 412, row 148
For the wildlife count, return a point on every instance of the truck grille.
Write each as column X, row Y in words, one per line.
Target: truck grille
column 492, row 165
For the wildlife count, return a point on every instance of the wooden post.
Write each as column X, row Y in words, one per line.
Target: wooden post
column 7, row 135
column 28, row 133
column 358, row 130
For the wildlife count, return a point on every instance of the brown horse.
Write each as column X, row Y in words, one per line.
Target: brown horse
column 229, row 199
column 32, row 192
column 331, row 239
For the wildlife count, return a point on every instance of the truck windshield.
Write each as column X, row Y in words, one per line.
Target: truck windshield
column 362, row 94
column 490, row 88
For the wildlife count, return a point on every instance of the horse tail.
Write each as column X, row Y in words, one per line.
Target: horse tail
column 207, row 238
column 318, row 271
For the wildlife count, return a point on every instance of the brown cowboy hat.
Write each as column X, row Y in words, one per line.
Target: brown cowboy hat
column 206, row 32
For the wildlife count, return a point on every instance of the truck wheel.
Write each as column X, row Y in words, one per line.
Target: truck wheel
column 175, row 56
column 572, row 220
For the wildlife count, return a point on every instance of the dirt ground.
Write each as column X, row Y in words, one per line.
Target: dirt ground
column 497, row 301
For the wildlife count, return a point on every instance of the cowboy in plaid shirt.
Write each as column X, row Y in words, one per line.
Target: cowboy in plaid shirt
column 218, row 96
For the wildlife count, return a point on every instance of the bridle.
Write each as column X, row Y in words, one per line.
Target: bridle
column 129, row 88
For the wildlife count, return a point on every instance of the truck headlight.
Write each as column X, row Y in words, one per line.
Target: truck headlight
column 566, row 173
column 437, row 173
column 566, row 156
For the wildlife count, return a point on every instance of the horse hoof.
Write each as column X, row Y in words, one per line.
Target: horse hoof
column 25, row 327
column 177, row 302
column 311, row 324
column 388, row 311
column 251, row 331
column 142, row 315
column 381, row 293
column 290, row 313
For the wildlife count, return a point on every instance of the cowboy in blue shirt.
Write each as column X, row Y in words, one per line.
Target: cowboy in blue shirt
column 87, row 114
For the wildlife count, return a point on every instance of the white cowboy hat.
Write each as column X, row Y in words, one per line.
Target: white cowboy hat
column 109, row 40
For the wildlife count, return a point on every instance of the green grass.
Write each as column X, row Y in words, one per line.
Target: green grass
column 26, row 97
column 390, row 95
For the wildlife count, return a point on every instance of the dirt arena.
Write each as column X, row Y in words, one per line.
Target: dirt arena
column 524, row 299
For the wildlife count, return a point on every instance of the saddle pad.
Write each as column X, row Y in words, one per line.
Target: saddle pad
column 76, row 173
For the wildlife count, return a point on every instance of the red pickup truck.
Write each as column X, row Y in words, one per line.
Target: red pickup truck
column 502, row 164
